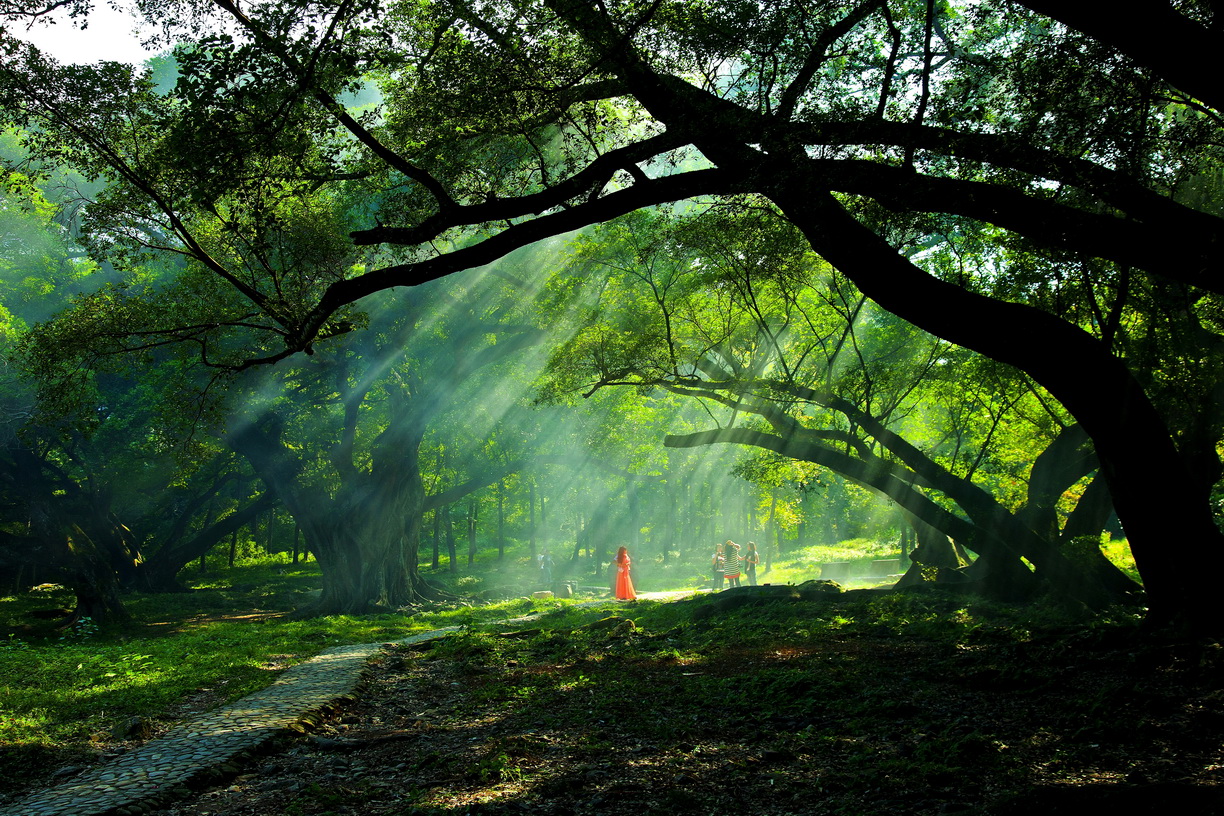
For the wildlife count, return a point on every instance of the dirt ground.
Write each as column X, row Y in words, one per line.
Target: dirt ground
column 856, row 723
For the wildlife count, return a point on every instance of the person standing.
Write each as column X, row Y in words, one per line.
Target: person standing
column 546, row 569
column 624, row 584
column 717, row 566
column 731, row 563
column 751, row 559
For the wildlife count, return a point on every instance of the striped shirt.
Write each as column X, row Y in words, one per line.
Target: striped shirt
column 731, row 562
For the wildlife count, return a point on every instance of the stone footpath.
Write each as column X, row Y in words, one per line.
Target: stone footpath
column 142, row 780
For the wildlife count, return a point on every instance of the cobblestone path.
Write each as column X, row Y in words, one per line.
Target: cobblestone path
column 145, row 778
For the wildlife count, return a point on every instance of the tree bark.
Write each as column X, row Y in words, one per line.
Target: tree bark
column 986, row 534
column 1131, row 439
column 366, row 536
column 1181, row 50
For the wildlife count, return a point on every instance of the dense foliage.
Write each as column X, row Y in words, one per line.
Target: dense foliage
column 825, row 178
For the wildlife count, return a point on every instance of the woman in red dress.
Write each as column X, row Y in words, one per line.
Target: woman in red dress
column 624, row 585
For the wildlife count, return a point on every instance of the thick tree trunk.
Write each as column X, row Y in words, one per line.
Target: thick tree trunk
column 70, row 535
column 367, row 535
column 1067, row 460
column 990, row 533
column 367, row 546
column 934, row 557
column 97, row 598
column 91, row 568
column 1064, row 462
column 1153, row 491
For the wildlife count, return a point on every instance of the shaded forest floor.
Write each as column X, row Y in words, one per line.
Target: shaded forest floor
column 807, row 704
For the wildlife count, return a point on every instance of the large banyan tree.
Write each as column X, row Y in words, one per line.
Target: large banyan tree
column 1042, row 147
column 731, row 308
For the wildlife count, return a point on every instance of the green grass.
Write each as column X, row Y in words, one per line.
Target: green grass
column 879, row 702
column 804, row 564
column 516, row 575
column 66, row 692
column 696, row 634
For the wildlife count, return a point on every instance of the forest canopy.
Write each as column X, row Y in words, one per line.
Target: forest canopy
column 790, row 192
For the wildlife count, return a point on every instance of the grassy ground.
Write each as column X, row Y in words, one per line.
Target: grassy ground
column 652, row 574
column 692, row 572
column 813, row 704
column 67, row 698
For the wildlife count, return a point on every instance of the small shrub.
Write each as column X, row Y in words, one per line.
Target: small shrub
column 14, row 643
column 80, row 630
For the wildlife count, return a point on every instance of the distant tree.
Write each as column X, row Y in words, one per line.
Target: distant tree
column 63, row 531
column 338, row 438
column 190, row 518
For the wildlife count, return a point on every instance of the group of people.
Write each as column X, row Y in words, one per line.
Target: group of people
column 729, row 564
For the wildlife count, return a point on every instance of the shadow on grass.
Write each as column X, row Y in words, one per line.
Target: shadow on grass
column 24, row 768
